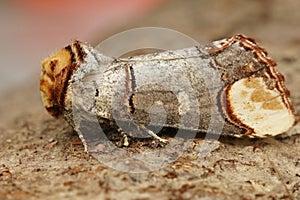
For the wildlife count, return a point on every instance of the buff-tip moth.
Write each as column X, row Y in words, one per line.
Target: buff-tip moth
column 248, row 91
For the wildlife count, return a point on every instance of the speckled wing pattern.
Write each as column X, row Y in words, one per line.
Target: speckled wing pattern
column 249, row 92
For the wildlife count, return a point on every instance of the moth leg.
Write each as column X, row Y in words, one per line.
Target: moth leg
column 151, row 133
column 124, row 135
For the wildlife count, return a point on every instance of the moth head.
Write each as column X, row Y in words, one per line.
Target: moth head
column 56, row 72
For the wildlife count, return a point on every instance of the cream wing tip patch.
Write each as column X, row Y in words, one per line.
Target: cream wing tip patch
column 259, row 108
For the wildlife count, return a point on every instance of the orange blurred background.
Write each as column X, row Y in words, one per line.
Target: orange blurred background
column 33, row 29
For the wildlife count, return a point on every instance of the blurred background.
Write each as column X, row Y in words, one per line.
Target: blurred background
column 33, row 29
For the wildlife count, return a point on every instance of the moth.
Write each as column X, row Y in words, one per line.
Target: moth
column 229, row 86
